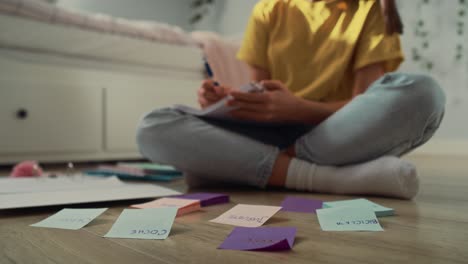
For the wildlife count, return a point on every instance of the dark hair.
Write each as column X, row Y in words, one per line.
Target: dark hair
column 393, row 23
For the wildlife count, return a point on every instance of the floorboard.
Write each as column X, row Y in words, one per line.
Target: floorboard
column 433, row 228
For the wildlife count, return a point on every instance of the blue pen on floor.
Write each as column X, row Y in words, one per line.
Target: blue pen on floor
column 208, row 70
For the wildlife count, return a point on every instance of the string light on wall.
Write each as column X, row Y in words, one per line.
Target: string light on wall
column 422, row 33
column 201, row 8
column 461, row 29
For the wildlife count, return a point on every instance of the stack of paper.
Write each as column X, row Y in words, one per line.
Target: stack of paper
column 362, row 203
column 152, row 168
column 352, row 215
column 206, row 199
column 348, row 219
column 184, row 206
column 139, row 172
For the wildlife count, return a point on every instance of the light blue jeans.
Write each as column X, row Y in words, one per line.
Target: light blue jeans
column 398, row 113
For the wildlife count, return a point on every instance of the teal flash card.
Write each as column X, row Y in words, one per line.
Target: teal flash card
column 150, row 223
column 73, row 219
column 348, row 219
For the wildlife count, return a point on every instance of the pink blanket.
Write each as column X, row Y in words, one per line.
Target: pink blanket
column 221, row 54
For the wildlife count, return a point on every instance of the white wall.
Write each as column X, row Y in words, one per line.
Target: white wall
column 235, row 15
column 176, row 12
column 441, row 21
column 438, row 48
column 212, row 16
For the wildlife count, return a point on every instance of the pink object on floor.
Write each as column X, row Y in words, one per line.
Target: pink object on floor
column 29, row 168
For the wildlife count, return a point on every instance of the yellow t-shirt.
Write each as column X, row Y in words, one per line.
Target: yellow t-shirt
column 314, row 47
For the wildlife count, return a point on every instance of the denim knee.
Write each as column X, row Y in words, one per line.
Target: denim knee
column 429, row 99
column 427, row 95
column 425, row 103
column 154, row 131
column 397, row 113
column 418, row 91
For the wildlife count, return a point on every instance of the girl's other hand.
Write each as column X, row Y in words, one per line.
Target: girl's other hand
column 276, row 105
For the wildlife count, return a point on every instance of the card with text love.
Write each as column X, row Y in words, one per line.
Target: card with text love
column 247, row 215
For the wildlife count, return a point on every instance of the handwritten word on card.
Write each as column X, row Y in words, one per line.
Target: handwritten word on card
column 151, row 223
column 73, row 219
column 348, row 219
column 247, row 215
column 260, row 238
column 184, row 206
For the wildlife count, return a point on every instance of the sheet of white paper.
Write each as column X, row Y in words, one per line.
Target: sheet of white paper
column 62, row 183
column 82, row 193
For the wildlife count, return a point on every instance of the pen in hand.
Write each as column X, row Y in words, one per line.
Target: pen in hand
column 208, row 70
column 218, row 90
column 211, row 91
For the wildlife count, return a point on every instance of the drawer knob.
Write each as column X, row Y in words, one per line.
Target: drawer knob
column 22, row 113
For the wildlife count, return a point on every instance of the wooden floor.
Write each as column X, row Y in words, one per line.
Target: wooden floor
column 431, row 229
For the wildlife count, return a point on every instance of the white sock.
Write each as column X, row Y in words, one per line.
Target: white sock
column 387, row 176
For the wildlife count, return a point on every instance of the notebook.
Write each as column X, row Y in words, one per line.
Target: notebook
column 219, row 110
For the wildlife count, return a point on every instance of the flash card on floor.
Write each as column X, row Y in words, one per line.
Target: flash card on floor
column 348, row 219
column 151, row 223
column 184, row 206
column 73, row 219
column 206, row 199
column 301, row 205
column 362, row 203
column 247, row 215
column 260, row 238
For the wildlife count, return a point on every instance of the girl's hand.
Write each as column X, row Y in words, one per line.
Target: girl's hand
column 276, row 104
column 209, row 93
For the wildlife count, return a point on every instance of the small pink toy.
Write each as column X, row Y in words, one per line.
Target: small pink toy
column 28, row 168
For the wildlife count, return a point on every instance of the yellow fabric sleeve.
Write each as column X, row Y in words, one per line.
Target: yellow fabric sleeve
column 254, row 47
column 374, row 45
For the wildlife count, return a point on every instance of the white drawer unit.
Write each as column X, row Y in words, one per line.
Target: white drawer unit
column 45, row 119
column 70, row 94
column 53, row 111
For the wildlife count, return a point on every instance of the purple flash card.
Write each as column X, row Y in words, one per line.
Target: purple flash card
column 206, row 199
column 302, row 205
column 260, row 239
